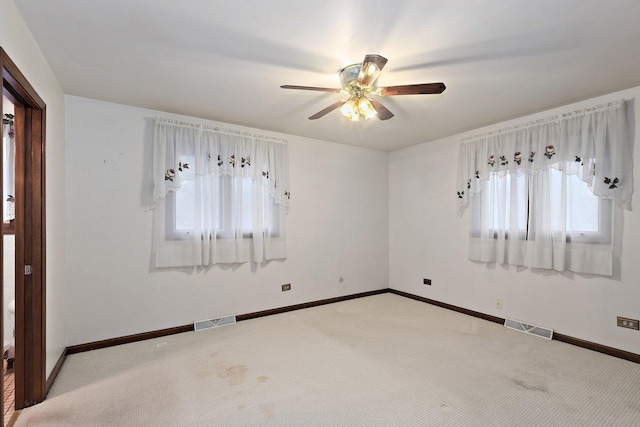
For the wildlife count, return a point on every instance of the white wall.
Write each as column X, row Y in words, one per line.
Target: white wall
column 428, row 239
column 17, row 41
column 337, row 227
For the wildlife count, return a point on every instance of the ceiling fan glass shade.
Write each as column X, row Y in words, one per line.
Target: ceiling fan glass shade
column 370, row 70
column 350, row 110
column 356, row 107
column 365, row 108
column 349, row 74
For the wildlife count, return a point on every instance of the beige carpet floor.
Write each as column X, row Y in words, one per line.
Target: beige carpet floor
column 378, row 361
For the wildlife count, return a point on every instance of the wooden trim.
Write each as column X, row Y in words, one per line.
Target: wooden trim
column 14, row 418
column 56, row 370
column 288, row 308
column 611, row 351
column 96, row 345
column 35, row 307
column 30, row 297
column 7, row 227
column 188, row 328
column 20, row 322
column 484, row 316
column 18, row 83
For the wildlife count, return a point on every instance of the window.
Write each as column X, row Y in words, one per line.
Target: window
column 218, row 196
column 181, row 205
column 545, row 194
column 574, row 212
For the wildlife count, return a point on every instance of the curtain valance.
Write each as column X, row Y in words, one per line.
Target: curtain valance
column 592, row 143
column 218, row 196
column 182, row 151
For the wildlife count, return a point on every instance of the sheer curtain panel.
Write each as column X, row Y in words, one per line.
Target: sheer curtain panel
column 218, row 196
column 545, row 194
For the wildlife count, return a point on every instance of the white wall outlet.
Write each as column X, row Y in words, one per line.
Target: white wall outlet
column 498, row 303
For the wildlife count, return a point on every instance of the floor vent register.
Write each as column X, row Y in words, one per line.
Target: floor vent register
column 203, row 325
column 538, row 331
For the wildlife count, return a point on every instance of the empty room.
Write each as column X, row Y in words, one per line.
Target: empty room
column 296, row 213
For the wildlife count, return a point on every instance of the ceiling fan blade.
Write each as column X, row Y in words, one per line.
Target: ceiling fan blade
column 370, row 70
column 424, row 88
column 327, row 110
column 319, row 89
column 381, row 110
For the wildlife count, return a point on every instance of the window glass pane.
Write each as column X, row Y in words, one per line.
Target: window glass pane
column 185, row 206
column 583, row 208
column 519, row 191
column 569, row 198
column 505, row 213
column 232, row 208
column 247, row 220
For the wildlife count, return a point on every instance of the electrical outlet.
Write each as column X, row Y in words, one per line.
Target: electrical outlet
column 498, row 303
column 623, row 322
column 286, row 287
column 426, row 281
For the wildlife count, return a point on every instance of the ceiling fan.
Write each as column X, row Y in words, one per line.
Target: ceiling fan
column 358, row 82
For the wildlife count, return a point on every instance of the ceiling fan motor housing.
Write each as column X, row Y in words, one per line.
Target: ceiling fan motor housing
column 349, row 75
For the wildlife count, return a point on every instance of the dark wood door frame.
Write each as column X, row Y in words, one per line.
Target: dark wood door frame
column 30, row 295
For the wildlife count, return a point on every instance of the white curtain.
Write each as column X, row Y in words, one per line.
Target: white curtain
column 8, row 168
column 218, row 196
column 525, row 189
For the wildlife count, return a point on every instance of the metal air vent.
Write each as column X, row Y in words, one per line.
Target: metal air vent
column 539, row 331
column 213, row 323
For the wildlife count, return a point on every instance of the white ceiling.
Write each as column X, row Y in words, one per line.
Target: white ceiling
column 225, row 60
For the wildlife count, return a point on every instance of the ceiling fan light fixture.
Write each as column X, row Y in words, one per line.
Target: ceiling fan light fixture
column 350, row 110
column 365, row 108
column 358, row 81
column 357, row 107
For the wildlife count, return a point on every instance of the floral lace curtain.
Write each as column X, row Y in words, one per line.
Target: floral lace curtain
column 216, row 174
column 8, row 147
column 592, row 144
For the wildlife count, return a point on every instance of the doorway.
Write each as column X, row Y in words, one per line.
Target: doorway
column 8, row 258
column 28, row 129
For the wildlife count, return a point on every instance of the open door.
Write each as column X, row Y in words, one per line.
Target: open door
column 29, row 228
